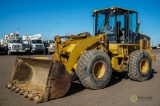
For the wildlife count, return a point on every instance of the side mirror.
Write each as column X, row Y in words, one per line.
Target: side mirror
column 138, row 24
column 137, row 29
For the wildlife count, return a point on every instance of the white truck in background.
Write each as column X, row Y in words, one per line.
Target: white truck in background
column 14, row 43
column 33, row 44
column 3, row 46
column 49, row 46
column 25, row 43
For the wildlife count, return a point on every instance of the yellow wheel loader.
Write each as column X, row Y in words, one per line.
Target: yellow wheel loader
column 116, row 46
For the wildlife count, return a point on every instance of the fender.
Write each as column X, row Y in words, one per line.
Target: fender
column 80, row 47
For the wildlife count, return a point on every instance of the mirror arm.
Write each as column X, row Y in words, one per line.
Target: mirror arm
column 137, row 30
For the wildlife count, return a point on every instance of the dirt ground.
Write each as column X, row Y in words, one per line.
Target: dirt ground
column 117, row 93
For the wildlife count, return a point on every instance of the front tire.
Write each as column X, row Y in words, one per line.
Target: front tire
column 140, row 66
column 94, row 69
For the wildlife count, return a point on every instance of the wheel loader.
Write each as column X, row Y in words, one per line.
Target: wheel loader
column 117, row 46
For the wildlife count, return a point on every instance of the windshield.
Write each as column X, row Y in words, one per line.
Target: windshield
column 102, row 21
column 105, row 22
column 36, row 41
column 15, row 41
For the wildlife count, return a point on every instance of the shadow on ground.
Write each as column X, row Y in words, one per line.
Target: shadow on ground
column 152, row 75
column 77, row 87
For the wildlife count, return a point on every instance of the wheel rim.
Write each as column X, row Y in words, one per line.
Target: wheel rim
column 99, row 69
column 144, row 65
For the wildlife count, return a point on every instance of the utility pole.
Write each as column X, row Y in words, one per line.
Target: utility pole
column 152, row 43
column 158, row 43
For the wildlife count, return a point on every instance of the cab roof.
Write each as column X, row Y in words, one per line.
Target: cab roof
column 114, row 8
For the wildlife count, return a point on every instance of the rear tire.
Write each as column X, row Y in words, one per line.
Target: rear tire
column 94, row 69
column 140, row 66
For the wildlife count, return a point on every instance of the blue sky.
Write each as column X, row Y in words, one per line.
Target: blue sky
column 59, row 17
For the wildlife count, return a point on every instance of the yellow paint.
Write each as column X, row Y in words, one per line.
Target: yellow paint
column 153, row 57
column 75, row 66
column 120, row 55
column 115, row 65
column 144, row 65
column 41, row 58
column 99, row 69
column 70, row 51
column 70, row 48
column 79, row 48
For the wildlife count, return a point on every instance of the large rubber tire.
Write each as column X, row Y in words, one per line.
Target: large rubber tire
column 140, row 66
column 87, row 69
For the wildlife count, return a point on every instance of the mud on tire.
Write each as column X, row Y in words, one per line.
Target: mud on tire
column 140, row 66
column 94, row 69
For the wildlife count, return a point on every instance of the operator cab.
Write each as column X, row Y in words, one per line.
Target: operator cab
column 120, row 25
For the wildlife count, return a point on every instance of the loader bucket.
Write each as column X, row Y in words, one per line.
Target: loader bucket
column 39, row 79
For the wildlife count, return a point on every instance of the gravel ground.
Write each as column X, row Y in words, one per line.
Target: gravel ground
column 117, row 93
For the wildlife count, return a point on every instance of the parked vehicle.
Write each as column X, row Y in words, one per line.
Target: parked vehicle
column 3, row 46
column 14, row 43
column 33, row 44
column 37, row 46
column 116, row 47
column 49, row 46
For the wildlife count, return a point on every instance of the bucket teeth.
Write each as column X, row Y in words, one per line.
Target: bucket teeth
column 26, row 94
column 9, row 85
column 30, row 79
column 14, row 81
column 21, row 92
column 37, row 99
column 13, row 88
column 17, row 90
column 32, row 96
